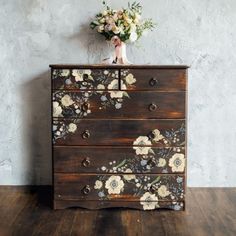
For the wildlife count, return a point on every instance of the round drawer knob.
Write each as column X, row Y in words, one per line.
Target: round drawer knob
column 153, row 82
column 152, row 107
column 86, row 162
column 86, row 190
column 85, row 106
column 86, row 134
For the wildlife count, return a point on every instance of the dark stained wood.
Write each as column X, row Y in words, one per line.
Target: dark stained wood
column 90, row 159
column 170, row 105
column 71, row 187
column 200, row 218
column 158, row 79
column 121, row 132
column 101, row 66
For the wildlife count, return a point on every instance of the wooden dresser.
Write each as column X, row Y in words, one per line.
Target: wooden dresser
column 119, row 136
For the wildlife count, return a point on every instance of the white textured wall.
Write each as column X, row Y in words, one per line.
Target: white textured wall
column 35, row 33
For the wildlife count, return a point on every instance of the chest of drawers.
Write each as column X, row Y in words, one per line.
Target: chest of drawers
column 119, row 136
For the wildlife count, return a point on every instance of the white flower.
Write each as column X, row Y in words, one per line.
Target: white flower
column 57, row 110
column 98, row 184
column 161, row 162
column 130, row 79
column 162, row 191
column 115, row 85
column 133, row 36
column 140, row 144
column 149, row 201
column 72, row 127
column 116, row 30
column 66, row 101
column 104, row 13
column 65, row 72
column 114, row 184
column 100, row 28
column 100, row 87
column 105, row 72
column 87, row 72
column 129, row 177
column 177, row 162
column 78, row 75
column 157, row 135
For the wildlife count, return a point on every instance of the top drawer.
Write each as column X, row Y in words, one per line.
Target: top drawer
column 154, row 79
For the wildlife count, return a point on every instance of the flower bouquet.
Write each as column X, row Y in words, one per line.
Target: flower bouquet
column 121, row 27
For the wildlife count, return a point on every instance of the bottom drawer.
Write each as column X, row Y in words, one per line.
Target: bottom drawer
column 128, row 187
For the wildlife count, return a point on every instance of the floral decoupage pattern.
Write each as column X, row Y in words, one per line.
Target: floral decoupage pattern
column 148, row 189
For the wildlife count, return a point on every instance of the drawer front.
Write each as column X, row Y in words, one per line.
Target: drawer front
column 154, row 79
column 129, row 187
column 118, row 160
column 84, row 79
column 119, row 104
column 160, row 133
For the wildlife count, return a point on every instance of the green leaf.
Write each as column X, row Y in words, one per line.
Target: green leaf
column 151, row 151
column 125, row 94
column 155, row 180
column 121, row 164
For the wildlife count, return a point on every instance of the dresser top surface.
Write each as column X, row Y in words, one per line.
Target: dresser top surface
column 133, row 66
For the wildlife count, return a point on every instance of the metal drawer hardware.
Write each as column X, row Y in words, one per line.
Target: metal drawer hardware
column 86, row 134
column 151, row 163
column 86, row 190
column 85, row 106
column 86, row 162
column 153, row 82
column 152, row 107
column 152, row 189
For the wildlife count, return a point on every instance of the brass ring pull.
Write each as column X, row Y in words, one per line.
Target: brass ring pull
column 86, row 134
column 86, row 190
column 152, row 107
column 85, row 106
column 86, row 162
column 153, row 82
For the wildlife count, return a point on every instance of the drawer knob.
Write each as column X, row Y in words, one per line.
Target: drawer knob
column 86, row 134
column 86, row 162
column 86, row 190
column 152, row 189
column 85, row 107
column 153, row 82
column 152, row 107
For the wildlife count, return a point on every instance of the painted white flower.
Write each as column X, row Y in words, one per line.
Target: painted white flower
column 78, row 75
column 161, row 162
column 98, row 184
column 101, row 28
column 100, row 87
column 129, row 177
column 140, row 145
column 149, row 201
column 65, row 72
column 157, row 135
column 87, row 72
column 133, row 36
column 72, row 127
column 130, row 79
column 57, row 110
column 114, row 184
column 177, row 162
column 115, row 85
column 163, row 191
column 66, row 100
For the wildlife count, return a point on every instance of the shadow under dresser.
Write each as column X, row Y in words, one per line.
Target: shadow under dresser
column 119, row 136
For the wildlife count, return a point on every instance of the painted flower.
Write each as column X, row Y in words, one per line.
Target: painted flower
column 177, row 162
column 87, row 72
column 130, row 176
column 72, row 127
column 133, row 36
column 100, row 87
column 130, row 79
column 66, row 100
column 57, row 110
column 98, row 184
column 161, row 162
column 78, row 75
column 163, row 191
column 114, row 85
column 140, row 145
column 149, row 201
column 114, row 184
column 65, row 72
column 157, row 135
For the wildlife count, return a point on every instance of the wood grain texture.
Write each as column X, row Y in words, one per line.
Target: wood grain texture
column 209, row 211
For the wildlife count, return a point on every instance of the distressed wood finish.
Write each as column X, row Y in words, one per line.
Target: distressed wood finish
column 119, row 136
column 83, row 187
column 120, row 132
column 90, row 159
column 142, row 105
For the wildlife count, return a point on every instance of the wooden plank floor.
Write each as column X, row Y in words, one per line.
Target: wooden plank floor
column 26, row 212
